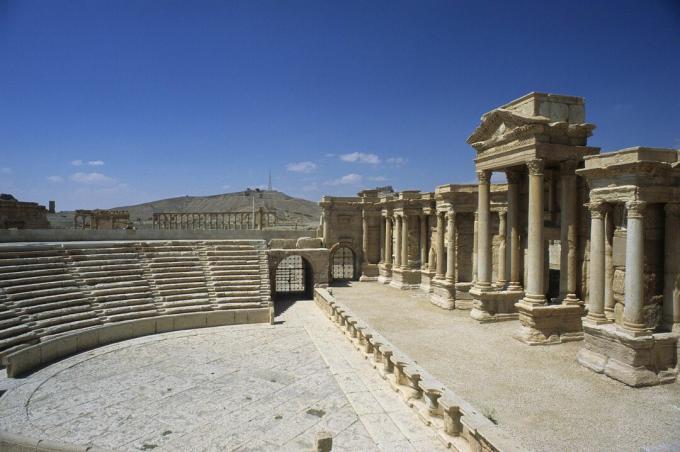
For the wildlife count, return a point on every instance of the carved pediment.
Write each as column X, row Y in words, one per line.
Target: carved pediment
column 502, row 125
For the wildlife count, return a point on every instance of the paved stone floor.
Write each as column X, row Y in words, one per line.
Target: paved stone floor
column 540, row 395
column 251, row 387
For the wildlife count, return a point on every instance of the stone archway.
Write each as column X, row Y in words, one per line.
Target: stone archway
column 343, row 263
column 293, row 278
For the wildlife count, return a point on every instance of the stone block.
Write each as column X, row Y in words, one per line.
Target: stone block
column 240, row 316
column 114, row 332
column 55, row 349
column 258, row 315
column 142, row 327
column 189, row 321
column 164, row 324
column 220, row 318
column 88, row 339
column 23, row 361
column 308, row 242
column 284, row 244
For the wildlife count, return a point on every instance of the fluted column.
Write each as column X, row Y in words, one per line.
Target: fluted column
column 382, row 240
column 397, row 241
column 671, row 302
column 502, row 227
column 513, row 228
column 388, row 240
column 364, row 236
column 568, row 235
column 483, row 230
column 404, row 241
column 609, row 301
column 635, row 268
column 596, row 266
column 451, row 247
column 535, row 290
column 423, row 241
column 440, row 245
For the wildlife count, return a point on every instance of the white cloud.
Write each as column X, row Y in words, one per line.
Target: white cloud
column 55, row 179
column 377, row 178
column 5, row 170
column 301, row 167
column 96, row 163
column 76, row 162
column 360, row 157
column 396, row 161
column 347, row 179
column 93, row 178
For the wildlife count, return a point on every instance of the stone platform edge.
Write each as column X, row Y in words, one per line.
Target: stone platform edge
column 457, row 424
column 36, row 356
column 10, row 442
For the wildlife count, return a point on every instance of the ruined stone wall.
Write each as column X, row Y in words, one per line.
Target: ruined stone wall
column 22, row 215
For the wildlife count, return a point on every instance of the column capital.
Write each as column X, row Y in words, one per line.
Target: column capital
column 535, row 167
column 568, row 167
column 513, row 177
column 635, row 208
column 451, row 215
column 502, row 212
column 597, row 208
column 672, row 208
column 484, row 176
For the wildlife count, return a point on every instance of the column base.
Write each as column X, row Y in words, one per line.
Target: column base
column 369, row 272
column 405, row 278
column 635, row 361
column 463, row 297
column 443, row 294
column 426, row 277
column 489, row 305
column 384, row 273
column 549, row 324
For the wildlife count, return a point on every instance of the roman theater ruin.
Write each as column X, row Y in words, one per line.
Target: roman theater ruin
column 534, row 311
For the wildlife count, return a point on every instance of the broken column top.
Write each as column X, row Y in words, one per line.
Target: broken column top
column 556, row 107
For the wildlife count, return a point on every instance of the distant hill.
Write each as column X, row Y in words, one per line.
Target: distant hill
column 289, row 210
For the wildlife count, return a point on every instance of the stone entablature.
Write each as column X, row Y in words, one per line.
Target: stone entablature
column 21, row 215
column 634, row 251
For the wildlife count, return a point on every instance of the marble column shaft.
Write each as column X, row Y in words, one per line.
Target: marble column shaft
column 635, row 268
column 535, row 291
column 451, row 247
column 568, row 235
column 397, row 241
column 364, row 237
column 423, row 241
column 440, row 245
column 513, row 228
column 382, row 239
column 596, row 266
column 502, row 254
column 404, row 241
column 483, row 230
column 609, row 301
column 388, row 240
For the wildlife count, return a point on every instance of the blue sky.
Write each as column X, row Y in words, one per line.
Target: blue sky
column 111, row 103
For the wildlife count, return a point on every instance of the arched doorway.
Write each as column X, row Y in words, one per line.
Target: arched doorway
column 293, row 279
column 342, row 264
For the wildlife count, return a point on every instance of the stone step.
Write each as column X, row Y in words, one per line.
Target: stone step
column 171, row 285
column 183, row 293
column 129, row 284
column 185, row 309
column 13, row 329
column 21, row 273
column 56, row 330
column 238, row 305
column 138, row 301
column 130, row 316
column 236, row 278
column 169, row 268
column 64, row 320
column 177, row 279
column 102, row 251
column 174, row 298
column 63, row 312
column 96, row 270
column 78, row 259
column 15, row 343
column 8, row 262
column 129, row 295
column 65, row 288
column 230, row 300
column 110, row 279
column 54, row 305
column 105, row 263
column 233, row 287
column 34, row 280
column 234, row 271
column 73, row 294
column 108, row 312
column 237, row 293
column 38, row 286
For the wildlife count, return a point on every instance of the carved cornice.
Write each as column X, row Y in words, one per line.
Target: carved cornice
column 484, row 177
column 636, row 209
column 535, row 167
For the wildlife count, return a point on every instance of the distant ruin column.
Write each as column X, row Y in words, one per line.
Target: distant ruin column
column 326, row 227
column 609, row 301
column 423, row 241
column 440, row 245
column 671, row 298
column 535, row 291
column 483, row 230
column 397, row 240
column 451, row 247
column 382, row 239
column 388, row 240
column 568, row 235
column 502, row 227
column 635, row 269
column 404, row 241
column 431, row 256
column 596, row 266
column 364, row 236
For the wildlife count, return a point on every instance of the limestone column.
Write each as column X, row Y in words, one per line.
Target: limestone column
column 326, row 227
column 513, row 227
column 440, row 245
column 404, row 241
column 364, row 236
column 502, row 275
column 475, row 234
column 596, row 277
column 431, row 259
column 635, row 268
column 483, row 230
column 388, row 240
column 423, row 241
column 671, row 298
column 451, row 247
column 535, row 290
column 397, row 244
column 568, row 233
column 382, row 239
column 609, row 301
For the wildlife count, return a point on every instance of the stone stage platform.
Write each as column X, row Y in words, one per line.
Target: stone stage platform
column 539, row 395
column 248, row 387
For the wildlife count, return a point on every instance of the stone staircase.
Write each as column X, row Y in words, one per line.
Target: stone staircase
column 51, row 289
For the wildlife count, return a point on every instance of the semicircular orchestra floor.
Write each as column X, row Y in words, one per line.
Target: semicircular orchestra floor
column 251, row 387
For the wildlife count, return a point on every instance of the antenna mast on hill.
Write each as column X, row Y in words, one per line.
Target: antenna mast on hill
column 269, row 187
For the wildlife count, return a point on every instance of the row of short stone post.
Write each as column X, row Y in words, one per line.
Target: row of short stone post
column 457, row 425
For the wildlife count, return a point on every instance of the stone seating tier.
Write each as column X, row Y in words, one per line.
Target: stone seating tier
column 49, row 290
